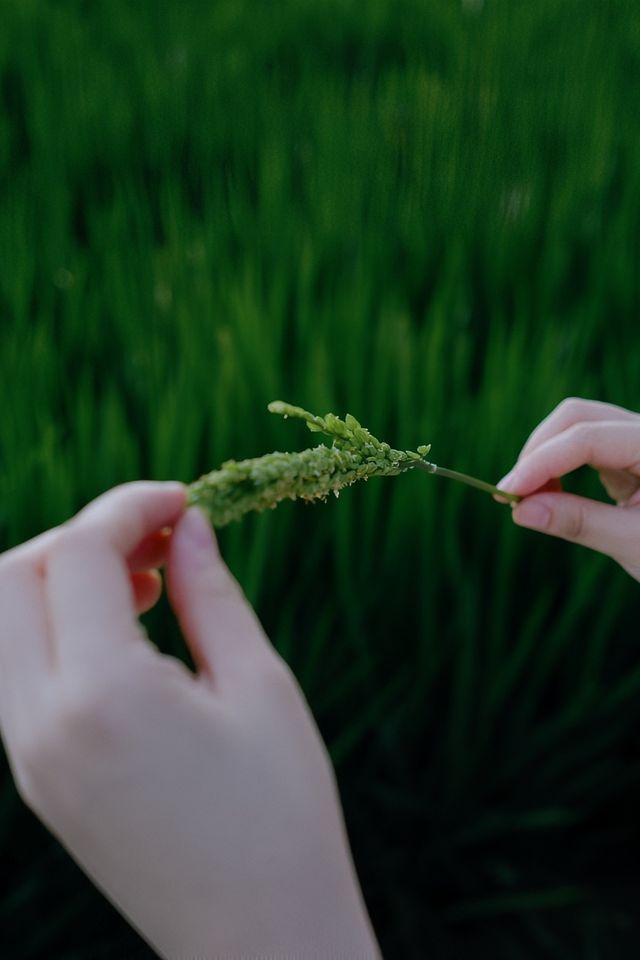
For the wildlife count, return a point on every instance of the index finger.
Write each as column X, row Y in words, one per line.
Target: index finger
column 88, row 587
column 570, row 412
column 603, row 444
column 129, row 513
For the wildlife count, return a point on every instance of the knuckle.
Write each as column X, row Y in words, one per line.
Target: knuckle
column 13, row 562
column 33, row 756
column 276, row 678
column 69, row 536
column 573, row 524
column 48, row 758
column 581, row 434
column 76, row 716
column 79, row 708
column 572, row 405
column 30, row 552
column 581, row 429
column 7, row 562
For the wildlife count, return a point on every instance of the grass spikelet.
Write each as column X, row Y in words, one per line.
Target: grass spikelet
column 260, row 483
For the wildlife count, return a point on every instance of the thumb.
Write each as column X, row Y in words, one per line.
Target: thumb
column 612, row 530
column 218, row 623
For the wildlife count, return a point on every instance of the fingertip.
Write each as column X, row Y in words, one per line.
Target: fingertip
column 195, row 533
column 532, row 513
column 177, row 493
column 175, row 488
column 147, row 589
column 504, row 484
column 219, row 626
column 130, row 512
column 193, row 546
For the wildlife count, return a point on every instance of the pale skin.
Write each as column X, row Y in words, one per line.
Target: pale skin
column 577, row 433
column 203, row 805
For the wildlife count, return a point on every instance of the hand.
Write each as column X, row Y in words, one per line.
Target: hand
column 203, row 805
column 582, row 432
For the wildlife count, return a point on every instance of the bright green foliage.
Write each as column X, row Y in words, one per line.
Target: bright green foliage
column 426, row 212
column 261, row 483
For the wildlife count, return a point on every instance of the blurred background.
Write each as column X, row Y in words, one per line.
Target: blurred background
column 425, row 214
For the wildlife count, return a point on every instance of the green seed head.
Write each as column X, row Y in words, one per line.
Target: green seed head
column 261, row 483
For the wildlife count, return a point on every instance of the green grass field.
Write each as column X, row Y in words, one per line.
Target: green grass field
column 425, row 214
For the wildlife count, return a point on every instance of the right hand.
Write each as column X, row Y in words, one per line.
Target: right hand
column 203, row 805
column 576, row 433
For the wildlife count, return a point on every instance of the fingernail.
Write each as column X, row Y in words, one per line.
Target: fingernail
column 197, row 529
column 504, row 483
column 174, row 486
column 533, row 514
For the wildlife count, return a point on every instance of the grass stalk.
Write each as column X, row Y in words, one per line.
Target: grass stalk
column 464, row 478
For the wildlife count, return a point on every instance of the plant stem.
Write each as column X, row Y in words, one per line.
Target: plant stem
column 471, row 481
